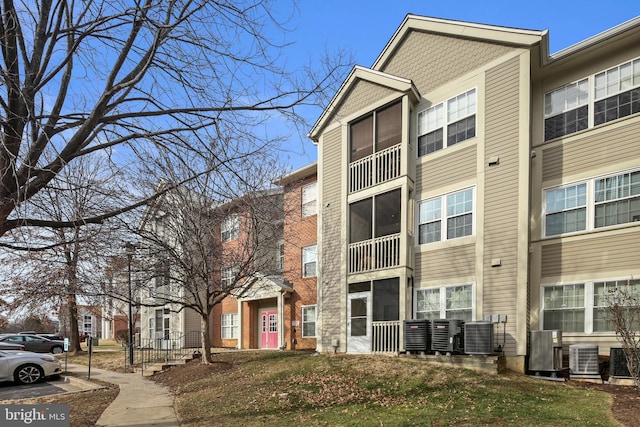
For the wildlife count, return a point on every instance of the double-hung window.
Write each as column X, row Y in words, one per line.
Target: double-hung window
column 595, row 203
column 617, row 92
column 617, row 199
column 228, row 276
column 309, row 260
column 566, row 209
column 566, row 110
column 454, row 220
column 229, row 228
column 563, row 307
column 229, row 322
column 447, row 302
column 309, row 321
column 309, row 200
column 447, row 123
column 624, row 293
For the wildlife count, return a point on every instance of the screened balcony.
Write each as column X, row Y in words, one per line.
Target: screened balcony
column 374, row 169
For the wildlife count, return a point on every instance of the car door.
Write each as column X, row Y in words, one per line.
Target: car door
column 37, row 344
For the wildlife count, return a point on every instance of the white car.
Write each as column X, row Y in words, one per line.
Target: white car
column 25, row 367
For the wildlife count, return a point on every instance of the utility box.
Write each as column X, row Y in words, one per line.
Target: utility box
column 546, row 351
column 417, row 335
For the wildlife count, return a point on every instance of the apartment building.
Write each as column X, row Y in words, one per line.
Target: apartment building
column 469, row 173
column 278, row 311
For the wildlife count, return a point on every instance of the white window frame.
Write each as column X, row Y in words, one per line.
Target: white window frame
column 280, row 256
column 444, row 114
column 309, row 199
column 442, row 310
column 229, row 326
column 227, row 276
column 310, row 255
column 444, row 216
column 229, row 229
column 591, row 203
column 304, row 309
column 600, row 85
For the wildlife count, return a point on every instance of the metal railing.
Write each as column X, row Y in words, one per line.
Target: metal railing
column 381, row 252
column 162, row 350
column 386, row 337
column 377, row 168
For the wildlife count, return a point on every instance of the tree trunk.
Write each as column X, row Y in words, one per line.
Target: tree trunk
column 206, row 341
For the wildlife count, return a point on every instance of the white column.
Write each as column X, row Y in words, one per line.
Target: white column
column 281, row 319
column 240, row 325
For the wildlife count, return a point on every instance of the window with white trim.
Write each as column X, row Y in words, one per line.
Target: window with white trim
column 596, row 203
column 309, row 321
column 280, row 256
column 309, row 260
column 566, row 110
column 309, row 200
column 229, row 322
column 228, row 276
column 435, row 132
column 446, row 302
column 617, row 92
column 564, row 307
column 436, row 224
column 582, row 307
column 229, row 228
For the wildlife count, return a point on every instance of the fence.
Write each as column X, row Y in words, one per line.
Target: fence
column 161, row 350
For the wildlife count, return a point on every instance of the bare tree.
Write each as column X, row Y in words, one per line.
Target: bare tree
column 206, row 241
column 132, row 76
column 623, row 313
column 70, row 264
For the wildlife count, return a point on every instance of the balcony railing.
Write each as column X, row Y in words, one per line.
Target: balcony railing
column 374, row 254
column 377, row 168
column 386, row 337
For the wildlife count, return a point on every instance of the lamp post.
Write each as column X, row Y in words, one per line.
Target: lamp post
column 130, row 248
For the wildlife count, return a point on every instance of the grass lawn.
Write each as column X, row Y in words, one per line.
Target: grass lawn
column 290, row 388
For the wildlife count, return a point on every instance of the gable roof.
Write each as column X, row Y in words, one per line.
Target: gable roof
column 461, row 29
column 399, row 84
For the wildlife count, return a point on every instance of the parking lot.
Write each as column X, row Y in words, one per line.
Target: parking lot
column 10, row 391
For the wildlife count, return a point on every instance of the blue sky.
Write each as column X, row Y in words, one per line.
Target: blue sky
column 365, row 27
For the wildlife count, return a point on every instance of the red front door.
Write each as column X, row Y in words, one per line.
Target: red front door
column 269, row 329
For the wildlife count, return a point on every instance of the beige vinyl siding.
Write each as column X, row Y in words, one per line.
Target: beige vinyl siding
column 431, row 60
column 192, row 321
column 455, row 166
column 590, row 256
column 452, row 262
column 331, row 288
column 359, row 98
column 501, row 191
column 594, row 150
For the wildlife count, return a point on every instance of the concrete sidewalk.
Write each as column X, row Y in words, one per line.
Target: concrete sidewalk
column 141, row 402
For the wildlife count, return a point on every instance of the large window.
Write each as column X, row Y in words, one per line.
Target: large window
column 229, row 322
column 280, row 256
column 582, row 307
column 309, row 321
column 309, row 200
column 455, row 220
column 375, row 217
column 309, row 261
column 616, row 94
column 447, row 123
column 595, row 203
column 229, row 228
column 448, row 302
column 376, row 132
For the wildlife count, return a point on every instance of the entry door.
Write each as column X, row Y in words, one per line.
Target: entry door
column 162, row 335
column 359, row 323
column 269, row 329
